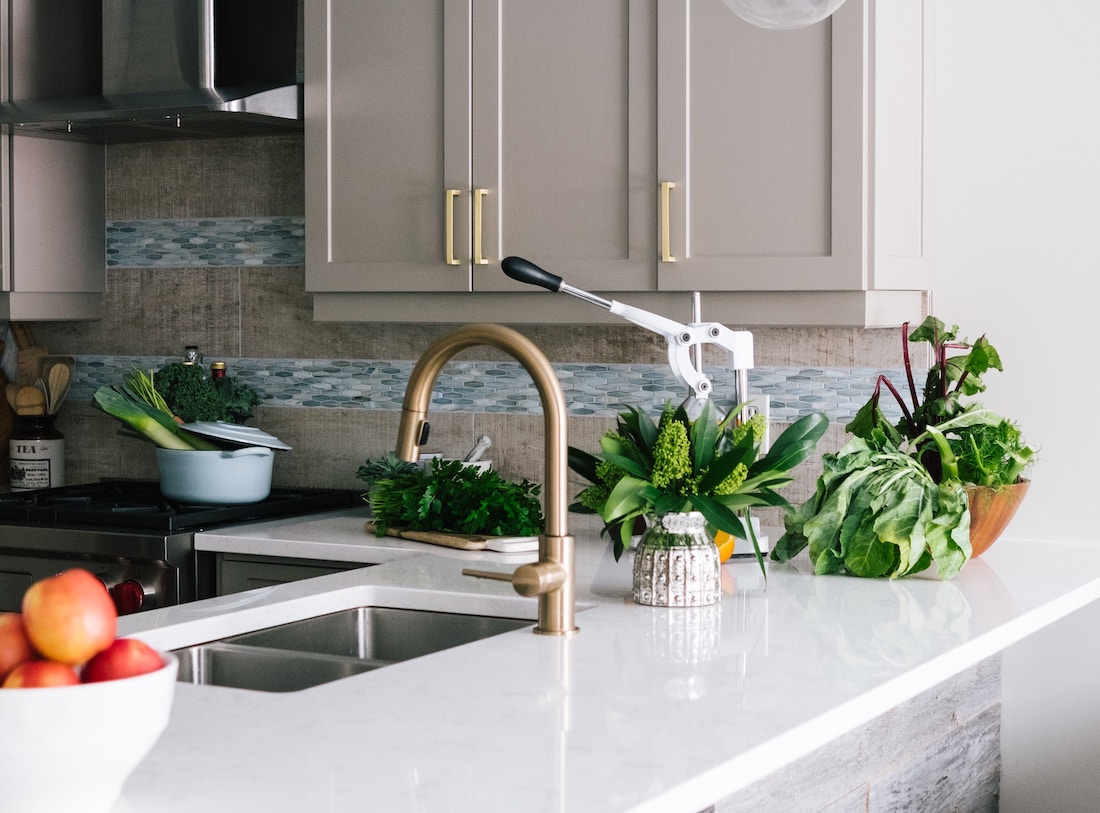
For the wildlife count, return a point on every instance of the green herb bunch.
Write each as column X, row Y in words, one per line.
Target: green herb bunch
column 451, row 498
column 893, row 500
column 675, row 464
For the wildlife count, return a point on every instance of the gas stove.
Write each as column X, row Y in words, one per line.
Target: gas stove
column 139, row 543
column 138, row 505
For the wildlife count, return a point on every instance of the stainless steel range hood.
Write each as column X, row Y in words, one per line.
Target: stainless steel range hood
column 143, row 70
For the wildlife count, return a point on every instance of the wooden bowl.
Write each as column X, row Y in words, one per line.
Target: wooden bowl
column 991, row 509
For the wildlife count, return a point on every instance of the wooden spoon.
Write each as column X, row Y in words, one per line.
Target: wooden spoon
column 57, row 387
column 29, row 400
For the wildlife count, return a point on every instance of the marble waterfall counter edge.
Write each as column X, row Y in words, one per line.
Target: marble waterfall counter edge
column 645, row 710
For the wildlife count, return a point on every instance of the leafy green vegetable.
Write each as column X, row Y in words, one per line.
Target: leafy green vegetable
column 189, row 393
column 453, row 498
column 239, row 398
column 998, row 460
column 894, row 499
column 147, row 421
column 139, row 383
column 381, row 468
column 878, row 512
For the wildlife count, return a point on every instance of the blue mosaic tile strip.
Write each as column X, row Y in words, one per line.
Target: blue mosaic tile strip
column 206, row 242
column 502, row 387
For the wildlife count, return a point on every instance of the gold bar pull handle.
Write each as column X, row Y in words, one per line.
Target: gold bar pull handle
column 666, row 250
column 479, row 198
column 449, row 226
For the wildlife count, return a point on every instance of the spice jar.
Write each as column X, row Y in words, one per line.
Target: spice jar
column 37, row 453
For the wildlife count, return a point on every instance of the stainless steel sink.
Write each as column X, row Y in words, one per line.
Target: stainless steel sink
column 318, row 650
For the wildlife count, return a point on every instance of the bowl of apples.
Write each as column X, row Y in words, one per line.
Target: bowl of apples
column 79, row 707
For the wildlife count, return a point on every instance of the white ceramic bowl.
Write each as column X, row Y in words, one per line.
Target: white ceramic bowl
column 238, row 476
column 71, row 748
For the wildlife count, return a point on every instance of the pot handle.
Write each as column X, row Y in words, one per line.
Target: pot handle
column 249, row 451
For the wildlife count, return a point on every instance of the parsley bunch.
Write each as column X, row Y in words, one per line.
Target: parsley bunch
column 453, row 498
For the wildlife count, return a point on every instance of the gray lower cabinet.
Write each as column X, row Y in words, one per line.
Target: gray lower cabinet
column 239, row 572
column 642, row 149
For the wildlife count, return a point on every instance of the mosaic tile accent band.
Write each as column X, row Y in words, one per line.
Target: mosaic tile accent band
column 206, row 242
column 590, row 389
column 473, row 386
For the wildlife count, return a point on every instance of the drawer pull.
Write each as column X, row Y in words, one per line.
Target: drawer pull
column 479, row 198
column 666, row 250
column 449, row 226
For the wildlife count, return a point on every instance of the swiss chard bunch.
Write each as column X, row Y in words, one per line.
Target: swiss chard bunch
column 878, row 512
column 894, row 499
column 648, row 467
column 451, row 498
column 989, row 449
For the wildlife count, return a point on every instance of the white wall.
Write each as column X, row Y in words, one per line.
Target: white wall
column 1017, row 202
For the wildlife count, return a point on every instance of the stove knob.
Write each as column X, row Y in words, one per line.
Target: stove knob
column 129, row 596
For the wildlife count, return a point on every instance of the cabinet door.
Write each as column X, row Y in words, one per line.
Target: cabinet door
column 441, row 137
column 759, row 151
column 563, row 140
column 387, row 133
column 52, row 260
column 239, row 572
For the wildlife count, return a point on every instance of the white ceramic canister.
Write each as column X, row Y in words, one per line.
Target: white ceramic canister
column 37, row 453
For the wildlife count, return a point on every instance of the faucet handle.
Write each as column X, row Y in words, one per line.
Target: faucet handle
column 530, row 580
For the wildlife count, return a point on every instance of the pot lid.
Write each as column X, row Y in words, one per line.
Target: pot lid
column 235, row 433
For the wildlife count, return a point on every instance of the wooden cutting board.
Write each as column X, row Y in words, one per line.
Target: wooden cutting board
column 460, row 541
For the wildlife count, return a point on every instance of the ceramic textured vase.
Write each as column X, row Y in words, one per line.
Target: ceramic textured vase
column 676, row 563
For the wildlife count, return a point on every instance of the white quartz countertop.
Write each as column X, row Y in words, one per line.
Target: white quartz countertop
column 646, row 709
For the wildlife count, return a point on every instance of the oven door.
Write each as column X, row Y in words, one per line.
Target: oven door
column 141, row 572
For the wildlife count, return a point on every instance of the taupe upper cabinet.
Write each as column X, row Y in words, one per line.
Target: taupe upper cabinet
column 642, row 149
column 53, row 265
column 792, row 160
column 442, row 136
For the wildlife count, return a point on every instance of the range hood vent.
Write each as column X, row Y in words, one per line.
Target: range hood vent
column 150, row 70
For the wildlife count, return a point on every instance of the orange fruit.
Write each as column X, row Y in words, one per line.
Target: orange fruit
column 725, row 542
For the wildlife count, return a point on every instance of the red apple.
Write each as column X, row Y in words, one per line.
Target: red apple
column 69, row 617
column 15, row 646
column 125, row 657
column 38, row 674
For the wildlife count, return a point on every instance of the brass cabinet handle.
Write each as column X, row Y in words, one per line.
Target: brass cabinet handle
column 479, row 196
column 666, row 251
column 449, row 226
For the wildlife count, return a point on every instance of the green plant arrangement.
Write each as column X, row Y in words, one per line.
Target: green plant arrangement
column 895, row 498
column 673, row 465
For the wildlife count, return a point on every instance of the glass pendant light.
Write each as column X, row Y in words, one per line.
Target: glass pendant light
column 783, row 13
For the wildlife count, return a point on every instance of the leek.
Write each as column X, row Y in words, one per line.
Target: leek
column 149, row 422
column 139, row 383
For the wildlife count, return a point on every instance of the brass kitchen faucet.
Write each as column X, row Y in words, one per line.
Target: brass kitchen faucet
column 553, row 577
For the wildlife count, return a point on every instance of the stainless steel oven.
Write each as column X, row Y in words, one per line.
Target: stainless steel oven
column 138, row 543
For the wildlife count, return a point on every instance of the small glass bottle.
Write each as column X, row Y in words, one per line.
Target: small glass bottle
column 37, row 453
